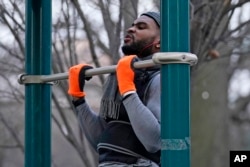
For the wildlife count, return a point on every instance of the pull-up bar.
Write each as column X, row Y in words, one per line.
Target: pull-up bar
column 175, row 83
column 158, row 58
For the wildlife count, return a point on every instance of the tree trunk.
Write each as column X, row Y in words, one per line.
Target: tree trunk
column 209, row 115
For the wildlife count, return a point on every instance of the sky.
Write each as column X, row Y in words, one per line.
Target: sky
column 239, row 86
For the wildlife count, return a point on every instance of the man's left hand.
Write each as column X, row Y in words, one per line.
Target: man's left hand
column 125, row 75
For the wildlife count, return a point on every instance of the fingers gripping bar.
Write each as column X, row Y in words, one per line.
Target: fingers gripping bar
column 158, row 58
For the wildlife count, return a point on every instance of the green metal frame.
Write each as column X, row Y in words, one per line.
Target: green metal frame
column 175, row 80
column 38, row 96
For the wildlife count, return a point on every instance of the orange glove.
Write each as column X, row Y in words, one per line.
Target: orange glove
column 77, row 79
column 125, row 74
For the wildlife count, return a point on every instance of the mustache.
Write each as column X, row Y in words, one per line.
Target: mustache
column 129, row 36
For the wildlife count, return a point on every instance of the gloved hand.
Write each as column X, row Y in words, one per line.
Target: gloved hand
column 125, row 74
column 77, row 79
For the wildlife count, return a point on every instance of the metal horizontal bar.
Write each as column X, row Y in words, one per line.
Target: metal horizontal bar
column 158, row 58
column 26, row 79
column 174, row 57
column 96, row 71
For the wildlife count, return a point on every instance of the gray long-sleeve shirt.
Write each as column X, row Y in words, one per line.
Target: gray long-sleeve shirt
column 145, row 119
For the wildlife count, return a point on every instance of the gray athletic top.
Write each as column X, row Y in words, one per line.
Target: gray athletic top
column 145, row 119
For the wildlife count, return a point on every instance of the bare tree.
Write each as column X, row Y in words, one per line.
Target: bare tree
column 78, row 36
column 217, row 41
column 74, row 39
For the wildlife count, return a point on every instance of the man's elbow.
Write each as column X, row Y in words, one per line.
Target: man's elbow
column 153, row 148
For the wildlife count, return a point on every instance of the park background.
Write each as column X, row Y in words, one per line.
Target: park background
column 92, row 32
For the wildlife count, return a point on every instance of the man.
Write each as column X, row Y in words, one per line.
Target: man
column 126, row 132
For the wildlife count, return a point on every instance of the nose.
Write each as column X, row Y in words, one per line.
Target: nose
column 131, row 29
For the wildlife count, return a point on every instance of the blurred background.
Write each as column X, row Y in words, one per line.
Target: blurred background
column 92, row 32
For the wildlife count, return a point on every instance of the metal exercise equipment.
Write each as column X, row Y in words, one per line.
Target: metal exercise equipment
column 158, row 58
column 175, row 61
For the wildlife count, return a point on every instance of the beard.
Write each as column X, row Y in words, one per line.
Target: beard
column 139, row 48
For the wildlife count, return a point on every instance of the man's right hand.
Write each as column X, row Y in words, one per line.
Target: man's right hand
column 77, row 80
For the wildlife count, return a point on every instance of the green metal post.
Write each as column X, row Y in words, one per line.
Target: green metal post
column 38, row 96
column 175, row 98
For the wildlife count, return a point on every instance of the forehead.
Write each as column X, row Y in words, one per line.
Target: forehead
column 145, row 19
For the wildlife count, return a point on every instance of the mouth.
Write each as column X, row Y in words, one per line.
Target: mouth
column 128, row 38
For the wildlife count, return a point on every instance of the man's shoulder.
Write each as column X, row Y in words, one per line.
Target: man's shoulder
column 156, row 77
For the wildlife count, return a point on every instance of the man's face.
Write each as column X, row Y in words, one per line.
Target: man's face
column 141, row 37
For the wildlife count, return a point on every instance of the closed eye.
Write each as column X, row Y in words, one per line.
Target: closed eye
column 140, row 25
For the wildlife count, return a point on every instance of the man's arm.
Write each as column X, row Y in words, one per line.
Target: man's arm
column 145, row 120
column 90, row 122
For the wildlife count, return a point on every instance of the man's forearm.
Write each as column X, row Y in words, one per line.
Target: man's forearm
column 90, row 123
column 144, row 123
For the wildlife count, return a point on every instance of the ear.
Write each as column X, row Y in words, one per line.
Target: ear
column 158, row 45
